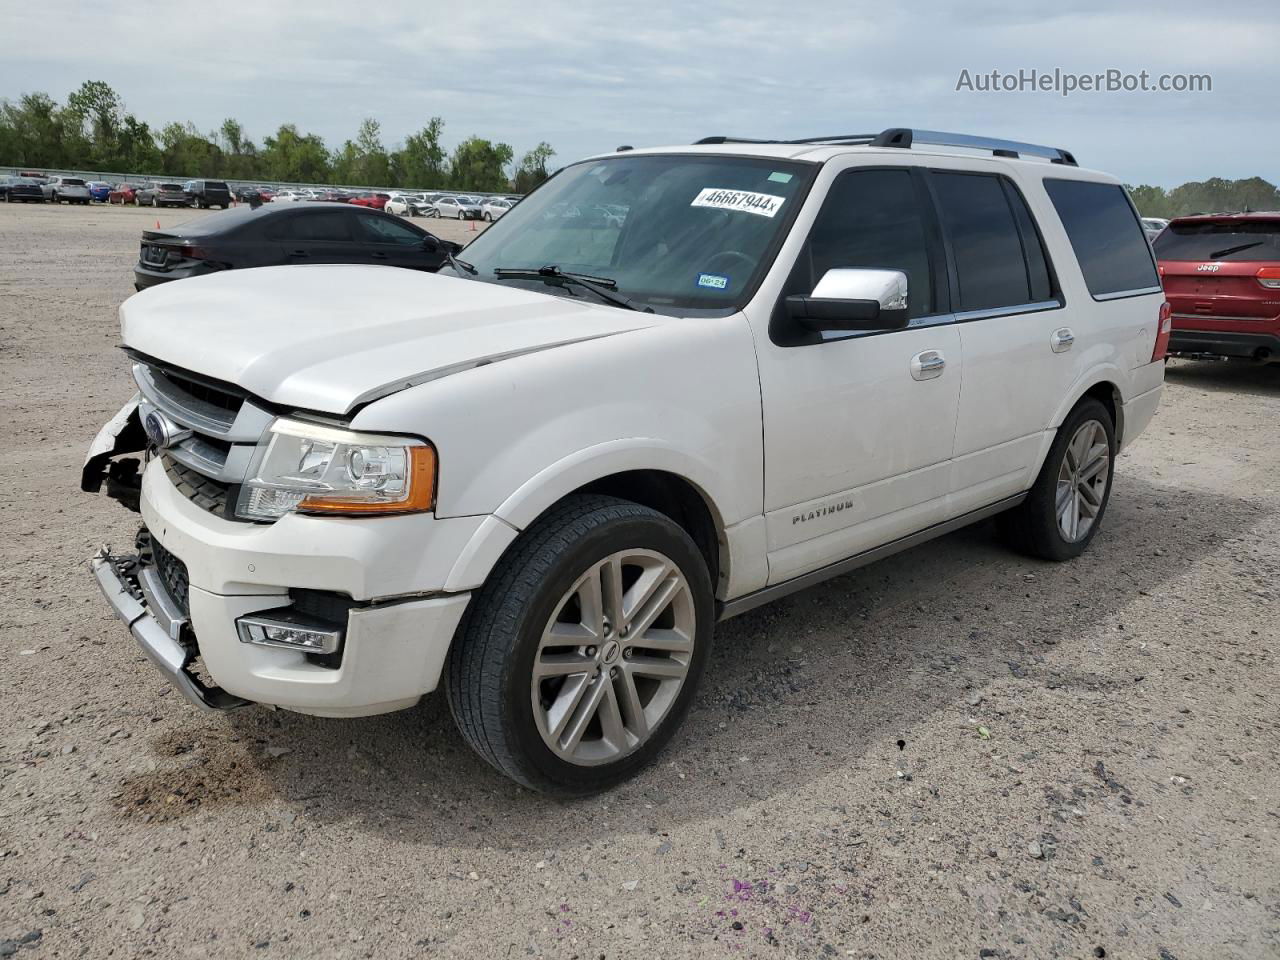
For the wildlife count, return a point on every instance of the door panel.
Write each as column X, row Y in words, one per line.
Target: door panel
column 859, row 429
column 1021, row 353
column 857, row 451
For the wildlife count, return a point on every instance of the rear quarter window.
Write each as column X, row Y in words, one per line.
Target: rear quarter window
column 1106, row 236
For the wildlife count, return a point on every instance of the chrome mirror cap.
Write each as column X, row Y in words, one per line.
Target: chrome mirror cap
column 886, row 287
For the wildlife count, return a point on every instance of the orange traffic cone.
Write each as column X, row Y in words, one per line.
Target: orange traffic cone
column 157, row 224
column 473, row 226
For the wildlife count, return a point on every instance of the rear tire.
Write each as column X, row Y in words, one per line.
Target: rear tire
column 1065, row 507
column 567, row 731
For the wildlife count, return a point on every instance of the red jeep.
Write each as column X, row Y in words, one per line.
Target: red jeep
column 1221, row 275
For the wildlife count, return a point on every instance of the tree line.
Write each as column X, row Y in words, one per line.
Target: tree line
column 93, row 130
column 1214, row 195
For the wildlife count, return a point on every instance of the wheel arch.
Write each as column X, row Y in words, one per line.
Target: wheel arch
column 645, row 472
column 1103, row 386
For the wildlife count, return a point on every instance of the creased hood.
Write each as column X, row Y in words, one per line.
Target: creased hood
column 331, row 337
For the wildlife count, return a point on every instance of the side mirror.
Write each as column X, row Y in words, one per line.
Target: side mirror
column 430, row 243
column 853, row 298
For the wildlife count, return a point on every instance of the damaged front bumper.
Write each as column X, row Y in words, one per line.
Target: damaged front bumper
column 139, row 598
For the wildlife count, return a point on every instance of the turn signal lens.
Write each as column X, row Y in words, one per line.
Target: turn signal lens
column 421, row 494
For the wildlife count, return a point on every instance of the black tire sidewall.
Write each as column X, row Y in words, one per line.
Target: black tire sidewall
column 542, row 768
column 1044, row 496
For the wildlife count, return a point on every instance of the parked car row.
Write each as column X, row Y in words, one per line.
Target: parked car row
column 216, row 193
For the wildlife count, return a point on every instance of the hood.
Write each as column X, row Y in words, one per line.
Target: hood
column 332, row 337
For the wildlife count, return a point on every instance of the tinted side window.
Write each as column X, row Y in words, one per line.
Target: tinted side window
column 386, row 230
column 1105, row 234
column 985, row 243
column 319, row 225
column 1037, row 260
column 870, row 218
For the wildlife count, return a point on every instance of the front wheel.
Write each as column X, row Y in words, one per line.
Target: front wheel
column 579, row 657
column 1064, row 509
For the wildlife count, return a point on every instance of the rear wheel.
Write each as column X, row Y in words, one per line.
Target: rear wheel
column 1064, row 509
column 579, row 657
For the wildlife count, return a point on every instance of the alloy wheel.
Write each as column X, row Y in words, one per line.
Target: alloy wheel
column 613, row 658
column 1082, row 481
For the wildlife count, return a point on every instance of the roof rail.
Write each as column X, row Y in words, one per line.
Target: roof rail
column 904, row 137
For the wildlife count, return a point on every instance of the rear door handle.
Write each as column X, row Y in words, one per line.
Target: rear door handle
column 299, row 253
column 378, row 255
column 1062, row 339
column 927, row 365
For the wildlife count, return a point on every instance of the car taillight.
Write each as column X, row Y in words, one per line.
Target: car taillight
column 1269, row 277
column 1163, row 330
column 195, row 253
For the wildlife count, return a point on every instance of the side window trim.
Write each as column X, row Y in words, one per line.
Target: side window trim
column 953, row 275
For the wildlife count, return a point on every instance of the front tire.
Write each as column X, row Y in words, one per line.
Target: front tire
column 579, row 657
column 1065, row 507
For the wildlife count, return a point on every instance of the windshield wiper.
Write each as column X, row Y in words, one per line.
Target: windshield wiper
column 459, row 266
column 603, row 287
column 1217, row 254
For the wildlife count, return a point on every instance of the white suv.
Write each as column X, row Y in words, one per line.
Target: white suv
column 540, row 477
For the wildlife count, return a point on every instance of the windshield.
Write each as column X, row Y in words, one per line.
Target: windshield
column 1220, row 240
column 674, row 232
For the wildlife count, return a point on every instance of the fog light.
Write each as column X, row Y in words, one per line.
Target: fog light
column 290, row 633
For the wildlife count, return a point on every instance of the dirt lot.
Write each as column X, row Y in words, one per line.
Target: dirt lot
column 955, row 753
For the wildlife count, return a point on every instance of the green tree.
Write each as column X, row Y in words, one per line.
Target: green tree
column 532, row 169
column 186, row 152
column 480, row 165
column 41, row 134
column 421, row 162
column 374, row 165
column 294, row 157
column 100, row 113
column 136, row 146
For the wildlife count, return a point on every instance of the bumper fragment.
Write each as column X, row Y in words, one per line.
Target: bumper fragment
column 118, row 578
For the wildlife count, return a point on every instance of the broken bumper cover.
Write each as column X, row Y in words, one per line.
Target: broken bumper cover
column 155, row 627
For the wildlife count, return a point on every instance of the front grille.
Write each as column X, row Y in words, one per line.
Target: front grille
column 222, row 425
column 205, row 393
column 172, row 570
column 204, row 492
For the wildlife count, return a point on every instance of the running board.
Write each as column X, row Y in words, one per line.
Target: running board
column 750, row 601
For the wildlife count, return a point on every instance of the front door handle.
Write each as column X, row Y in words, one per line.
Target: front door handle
column 927, row 365
column 378, row 255
column 1062, row 339
column 299, row 253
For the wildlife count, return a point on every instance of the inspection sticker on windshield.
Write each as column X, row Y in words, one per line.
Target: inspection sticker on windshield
column 713, row 280
column 765, row 204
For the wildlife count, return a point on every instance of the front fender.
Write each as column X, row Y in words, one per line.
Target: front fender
column 578, row 469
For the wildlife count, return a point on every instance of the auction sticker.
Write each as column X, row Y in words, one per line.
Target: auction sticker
column 764, row 204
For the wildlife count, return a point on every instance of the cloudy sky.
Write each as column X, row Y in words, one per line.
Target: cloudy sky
column 587, row 75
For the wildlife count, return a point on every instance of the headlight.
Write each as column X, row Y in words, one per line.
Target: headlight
column 310, row 468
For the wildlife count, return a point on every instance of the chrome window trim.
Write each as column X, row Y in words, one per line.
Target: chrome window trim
column 1122, row 294
column 966, row 316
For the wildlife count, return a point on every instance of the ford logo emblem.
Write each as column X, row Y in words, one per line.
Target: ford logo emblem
column 161, row 431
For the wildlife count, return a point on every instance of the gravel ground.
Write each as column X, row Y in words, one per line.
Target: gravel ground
column 955, row 753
